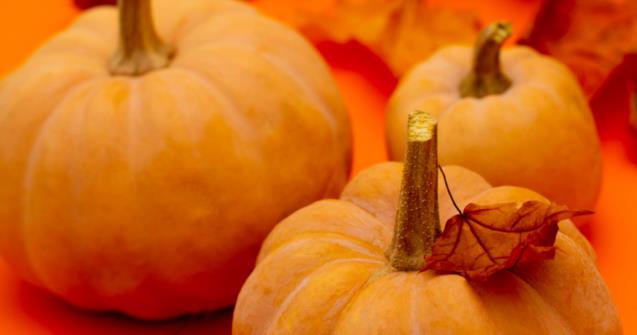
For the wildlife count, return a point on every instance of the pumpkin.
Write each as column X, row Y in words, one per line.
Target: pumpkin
column 353, row 265
column 143, row 178
column 523, row 121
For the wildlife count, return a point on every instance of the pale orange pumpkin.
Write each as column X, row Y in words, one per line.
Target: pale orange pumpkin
column 144, row 180
column 526, row 124
column 323, row 269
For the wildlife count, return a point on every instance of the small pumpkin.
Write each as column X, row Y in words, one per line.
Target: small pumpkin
column 324, row 269
column 144, row 178
column 523, row 121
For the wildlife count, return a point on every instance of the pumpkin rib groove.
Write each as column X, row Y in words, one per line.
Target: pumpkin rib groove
column 386, row 229
column 549, row 300
column 371, row 280
column 376, row 243
column 415, row 329
column 133, row 104
column 541, row 299
column 19, row 86
column 179, row 109
column 289, row 78
column 231, row 110
column 312, row 95
column 306, row 279
column 342, row 240
column 31, row 164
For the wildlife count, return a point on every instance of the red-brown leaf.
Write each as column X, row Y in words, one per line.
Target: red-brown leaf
column 589, row 36
column 486, row 239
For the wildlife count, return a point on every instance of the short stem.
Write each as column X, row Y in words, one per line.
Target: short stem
column 417, row 222
column 140, row 48
column 486, row 77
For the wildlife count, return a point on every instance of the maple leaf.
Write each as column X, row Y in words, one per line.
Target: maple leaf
column 590, row 36
column 483, row 240
column 402, row 32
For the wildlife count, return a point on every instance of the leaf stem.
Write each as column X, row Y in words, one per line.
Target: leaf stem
column 486, row 77
column 140, row 48
column 453, row 201
column 417, row 222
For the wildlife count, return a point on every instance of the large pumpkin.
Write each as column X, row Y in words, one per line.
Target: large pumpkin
column 525, row 124
column 144, row 180
column 323, row 269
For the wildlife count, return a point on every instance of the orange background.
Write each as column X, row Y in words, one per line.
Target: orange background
column 365, row 83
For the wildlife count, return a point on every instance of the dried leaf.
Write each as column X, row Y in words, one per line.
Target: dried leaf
column 402, row 32
column 589, row 36
column 486, row 239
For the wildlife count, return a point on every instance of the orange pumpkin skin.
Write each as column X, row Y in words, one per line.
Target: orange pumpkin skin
column 322, row 271
column 540, row 131
column 150, row 195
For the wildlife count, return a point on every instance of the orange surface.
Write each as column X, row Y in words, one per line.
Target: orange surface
column 365, row 84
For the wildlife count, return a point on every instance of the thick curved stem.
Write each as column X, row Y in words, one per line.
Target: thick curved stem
column 486, row 77
column 417, row 221
column 140, row 48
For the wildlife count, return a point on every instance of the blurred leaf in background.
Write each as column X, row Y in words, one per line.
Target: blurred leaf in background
column 84, row 4
column 589, row 36
column 402, row 32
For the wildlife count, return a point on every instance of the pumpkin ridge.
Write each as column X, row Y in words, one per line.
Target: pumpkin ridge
column 133, row 103
column 306, row 279
column 342, row 240
column 208, row 13
column 87, row 20
column 179, row 108
column 52, row 49
column 31, row 164
column 329, row 120
column 415, row 329
column 290, row 228
column 230, row 111
column 535, row 294
column 377, row 222
column 312, row 95
column 548, row 301
column 369, row 281
column 329, row 117
column 545, row 300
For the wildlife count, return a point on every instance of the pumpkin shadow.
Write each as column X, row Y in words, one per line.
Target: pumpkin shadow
column 58, row 317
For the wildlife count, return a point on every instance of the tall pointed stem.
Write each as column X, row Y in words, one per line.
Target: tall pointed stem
column 140, row 48
column 417, row 221
column 486, row 77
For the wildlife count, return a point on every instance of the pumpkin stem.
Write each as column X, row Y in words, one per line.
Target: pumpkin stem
column 486, row 78
column 140, row 48
column 417, row 221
